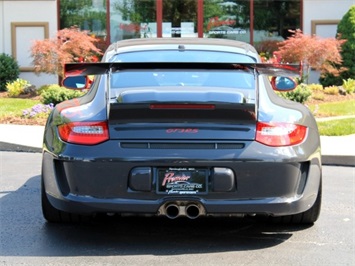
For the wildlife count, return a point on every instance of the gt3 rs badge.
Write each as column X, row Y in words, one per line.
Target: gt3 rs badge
column 182, row 130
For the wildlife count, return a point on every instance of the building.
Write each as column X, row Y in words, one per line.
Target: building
column 254, row 21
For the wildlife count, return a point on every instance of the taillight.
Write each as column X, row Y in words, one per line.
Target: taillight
column 280, row 134
column 85, row 133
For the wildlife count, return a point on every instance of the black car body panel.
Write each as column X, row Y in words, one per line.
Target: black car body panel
column 202, row 142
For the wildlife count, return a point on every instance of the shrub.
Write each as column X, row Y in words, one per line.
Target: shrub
column 9, row 70
column 30, row 89
column 55, row 94
column 345, row 31
column 349, row 85
column 44, row 88
column 315, row 87
column 318, row 96
column 331, row 90
column 300, row 94
column 266, row 48
column 17, row 87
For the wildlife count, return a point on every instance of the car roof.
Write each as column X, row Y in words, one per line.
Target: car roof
column 211, row 44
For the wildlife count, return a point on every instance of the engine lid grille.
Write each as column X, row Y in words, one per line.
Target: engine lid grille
column 184, row 145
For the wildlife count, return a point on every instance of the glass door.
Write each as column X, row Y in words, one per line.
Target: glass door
column 155, row 18
column 131, row 19
column 179, row 18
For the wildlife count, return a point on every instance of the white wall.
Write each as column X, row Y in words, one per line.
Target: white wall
column 46, row 11
column 321, row 10
column 2, row 29
column 27, row 11
column 324, row 13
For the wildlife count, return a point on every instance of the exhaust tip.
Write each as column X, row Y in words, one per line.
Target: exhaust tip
column 172, row 211
column 192, row 211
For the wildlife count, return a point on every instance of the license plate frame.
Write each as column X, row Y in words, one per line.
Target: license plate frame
column 182, row 181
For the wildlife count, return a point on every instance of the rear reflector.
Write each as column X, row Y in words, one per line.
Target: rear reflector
column 280, row 134
column 85, row 133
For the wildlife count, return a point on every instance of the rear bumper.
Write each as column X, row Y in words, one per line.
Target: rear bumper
column 269, row 206
column 103, row 185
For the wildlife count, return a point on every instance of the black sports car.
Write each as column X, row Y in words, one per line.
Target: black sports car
column 181, row 127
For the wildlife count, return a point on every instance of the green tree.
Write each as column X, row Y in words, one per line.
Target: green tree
column 345, row 31
column 9, row 70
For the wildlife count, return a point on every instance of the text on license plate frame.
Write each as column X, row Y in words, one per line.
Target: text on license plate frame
column 182, row 181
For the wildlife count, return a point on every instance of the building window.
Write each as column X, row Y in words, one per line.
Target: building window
column 253, row 21
column 227, row 19
column 132, row 19
column 274, row 18
column 179, row 18
column 87, row 15
column 272, row 21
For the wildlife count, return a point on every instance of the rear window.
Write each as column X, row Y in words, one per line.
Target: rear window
column 166, row 78
column 183, row 86
column 231, row 86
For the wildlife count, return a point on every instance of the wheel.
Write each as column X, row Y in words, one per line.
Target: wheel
column 54, row 215
column 311, row 215
column 307, row 217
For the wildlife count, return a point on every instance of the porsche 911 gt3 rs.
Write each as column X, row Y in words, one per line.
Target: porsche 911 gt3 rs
column 181, row 128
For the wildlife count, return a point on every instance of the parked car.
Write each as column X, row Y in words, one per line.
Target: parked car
column 181, row 128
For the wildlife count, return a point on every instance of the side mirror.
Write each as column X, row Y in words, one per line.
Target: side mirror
column 283, row 83
column 76, row 82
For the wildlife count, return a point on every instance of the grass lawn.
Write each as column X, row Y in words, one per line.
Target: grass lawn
column 11, row 112
column 333, row 108
column 340, row 127
column 15, row 106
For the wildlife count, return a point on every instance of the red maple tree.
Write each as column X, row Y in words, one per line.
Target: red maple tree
column 312, row 51
column 69, row 45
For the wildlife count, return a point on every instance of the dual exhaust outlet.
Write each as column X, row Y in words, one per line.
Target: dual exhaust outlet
column 190, row 210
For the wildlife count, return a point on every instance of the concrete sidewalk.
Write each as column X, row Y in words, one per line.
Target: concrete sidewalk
column 335, row 150
column 31, row 136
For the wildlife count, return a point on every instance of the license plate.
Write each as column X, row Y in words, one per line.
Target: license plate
column 182, row 181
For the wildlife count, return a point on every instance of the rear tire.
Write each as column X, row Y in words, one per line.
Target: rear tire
column 53, row 215
column 307, row 218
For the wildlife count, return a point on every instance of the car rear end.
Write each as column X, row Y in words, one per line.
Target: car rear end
column 183, row 146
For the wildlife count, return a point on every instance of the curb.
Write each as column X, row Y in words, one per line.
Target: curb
column 4, row 146
column 338, row 160
column 334, row 160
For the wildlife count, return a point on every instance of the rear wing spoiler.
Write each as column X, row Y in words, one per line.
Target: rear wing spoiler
column 86, row 69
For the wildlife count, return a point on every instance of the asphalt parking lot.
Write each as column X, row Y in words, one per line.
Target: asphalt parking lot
column 28, row 240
